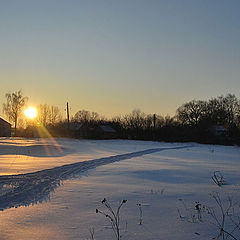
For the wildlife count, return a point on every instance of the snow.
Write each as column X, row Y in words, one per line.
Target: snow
column 50, row 188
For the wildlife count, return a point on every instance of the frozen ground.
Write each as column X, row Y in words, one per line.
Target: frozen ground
column 51, row 188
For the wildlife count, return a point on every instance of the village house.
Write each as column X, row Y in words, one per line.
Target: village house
column 105, row 132
column 5, row 128
column 84, row 130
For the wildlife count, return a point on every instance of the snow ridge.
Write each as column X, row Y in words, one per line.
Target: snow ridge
column 32, row 188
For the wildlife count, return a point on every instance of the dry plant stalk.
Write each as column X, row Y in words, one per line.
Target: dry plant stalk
column 140, row 213
column 113, row 216
column 92, row 232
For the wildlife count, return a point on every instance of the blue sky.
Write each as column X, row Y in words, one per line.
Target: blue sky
column 114, row 56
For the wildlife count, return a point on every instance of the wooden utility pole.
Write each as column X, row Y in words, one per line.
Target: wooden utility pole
column 154, row 121
column 154, row 127
column 67, row 116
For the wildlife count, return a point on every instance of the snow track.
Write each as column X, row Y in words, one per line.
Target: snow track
column 30, row 188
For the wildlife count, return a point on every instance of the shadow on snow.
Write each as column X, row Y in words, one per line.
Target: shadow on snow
column 31, row 188
column 38, row 150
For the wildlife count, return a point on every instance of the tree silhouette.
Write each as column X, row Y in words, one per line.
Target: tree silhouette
column 13, row 106
column 48, row 114
column 85, row 116
column 223, row 110
column 191, row 113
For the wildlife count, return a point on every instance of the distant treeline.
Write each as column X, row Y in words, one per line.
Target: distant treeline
column 216, row 120
column 196, row 121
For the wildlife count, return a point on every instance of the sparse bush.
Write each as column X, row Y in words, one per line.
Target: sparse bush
column 218, row 178
column 224, row 215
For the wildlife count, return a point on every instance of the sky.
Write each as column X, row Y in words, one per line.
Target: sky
column 112, row 56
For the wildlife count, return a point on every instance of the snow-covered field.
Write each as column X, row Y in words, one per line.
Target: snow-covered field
column 50, row 188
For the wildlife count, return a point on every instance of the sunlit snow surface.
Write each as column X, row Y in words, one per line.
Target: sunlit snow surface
column 56, row 185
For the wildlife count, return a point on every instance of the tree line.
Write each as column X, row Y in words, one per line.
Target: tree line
column 192, row 122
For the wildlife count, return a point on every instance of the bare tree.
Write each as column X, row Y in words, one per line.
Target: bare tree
column 48, row 114
column 223, row 110
column 43, row 114
column 237, row 115
column 159, row 121
column 191, row 113
column 55, row 115
column 13, row 106
column 135, row 120
column 85, row 116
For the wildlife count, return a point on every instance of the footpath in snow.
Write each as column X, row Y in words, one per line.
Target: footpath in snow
column 30, row 188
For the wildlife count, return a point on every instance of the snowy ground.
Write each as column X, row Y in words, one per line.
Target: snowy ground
column 51, row 188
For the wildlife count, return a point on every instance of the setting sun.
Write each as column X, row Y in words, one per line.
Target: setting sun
column 31, row 112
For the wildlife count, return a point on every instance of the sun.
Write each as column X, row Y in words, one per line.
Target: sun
column 31, row 112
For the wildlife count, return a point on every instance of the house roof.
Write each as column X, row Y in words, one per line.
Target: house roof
column 107, row 128
column 4, row 123
column 75, row 126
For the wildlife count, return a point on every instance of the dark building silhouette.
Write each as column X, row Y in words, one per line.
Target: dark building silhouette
column 92, row 131
column 5, row 128
column 105, row 132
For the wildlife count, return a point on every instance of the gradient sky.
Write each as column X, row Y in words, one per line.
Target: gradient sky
column 114, row 56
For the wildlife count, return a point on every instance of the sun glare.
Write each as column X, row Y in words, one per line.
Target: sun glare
column 31, row 112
